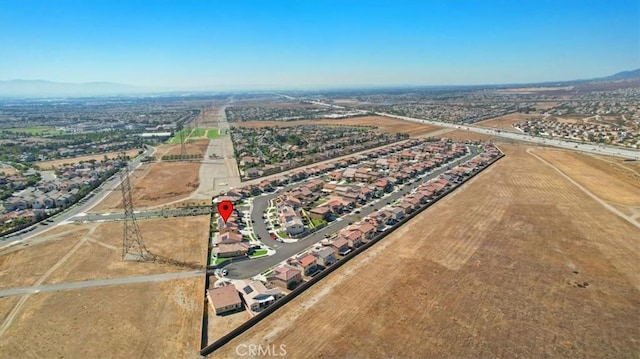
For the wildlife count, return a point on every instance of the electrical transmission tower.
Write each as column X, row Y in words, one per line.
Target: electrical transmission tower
column 183, row 146
column 132, row 246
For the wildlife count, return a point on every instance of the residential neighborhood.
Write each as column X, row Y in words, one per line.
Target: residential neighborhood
column 33, row 196
column 268, row 150
column 593, row 129
column 376, row 191
column 282, row 110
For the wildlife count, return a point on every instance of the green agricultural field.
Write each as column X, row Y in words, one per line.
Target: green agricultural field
column 213, row 133
column 198, row 132
column 35, row 131
column 193, row 133
column 176, row 138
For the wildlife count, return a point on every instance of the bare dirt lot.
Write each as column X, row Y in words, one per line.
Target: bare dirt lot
column 8, row 171
column 506, row 122
column 23, row 266
column 384, row 124
column 221, row 325
column 151, row 320
column 608, row 180
column 195, row 147
column 71, row 160
column 518, row 263
column 155, row 184
column 183, row 239
column 91, row 251
column 6, row 304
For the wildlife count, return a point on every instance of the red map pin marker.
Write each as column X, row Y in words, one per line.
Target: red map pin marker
column 225, row 208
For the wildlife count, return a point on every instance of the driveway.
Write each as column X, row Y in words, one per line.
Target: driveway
column 246, row 269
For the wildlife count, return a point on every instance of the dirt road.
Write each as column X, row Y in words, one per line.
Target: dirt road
column 520, row 262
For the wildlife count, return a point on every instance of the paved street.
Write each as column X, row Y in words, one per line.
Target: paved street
column 98, row 283
column 249, row 268
column 219, row 170
column 143, row 214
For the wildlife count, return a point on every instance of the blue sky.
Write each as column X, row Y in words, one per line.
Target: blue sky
column 245, row 44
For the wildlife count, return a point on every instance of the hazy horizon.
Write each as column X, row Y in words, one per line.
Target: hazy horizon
column 201, row 46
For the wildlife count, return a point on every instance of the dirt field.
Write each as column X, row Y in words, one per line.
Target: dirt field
column 183, row 239
column 221, row 325
column 23, row 266
column 8, row 171
column 192, row 147
column 153, row 320
column 609, row 181
column 384, row 124
column 155, row 184
column 210, row 116
column 146, row 320
column 518, row 263
column 506, row 122
column 57, row 163
column 6, row 304
column 94, row 251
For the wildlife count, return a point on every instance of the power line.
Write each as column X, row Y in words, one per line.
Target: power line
column 133, row 247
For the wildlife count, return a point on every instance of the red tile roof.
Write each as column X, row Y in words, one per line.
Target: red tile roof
column 307, row 260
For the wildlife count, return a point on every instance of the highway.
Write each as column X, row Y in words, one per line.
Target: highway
column 83, row 206
column 99, row 283
column 576, row 146
column 249, row 268
column 584, row 147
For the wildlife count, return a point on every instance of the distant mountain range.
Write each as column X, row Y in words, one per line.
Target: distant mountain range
column 624, row 75
column 41, row 88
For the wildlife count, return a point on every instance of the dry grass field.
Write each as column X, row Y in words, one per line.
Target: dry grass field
column 91, row 251
column 384, row 124
column 147, row 320
column 23, row 266
column 45, row 165
column 181, row 238
column 517, row 263
column 6, row 304
column 151, row 320
column 8, row 171
column 210, row 117
column 156, row 184
column 611, row 181
column 506, row 122
column 193, row 147
column 221, row 325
